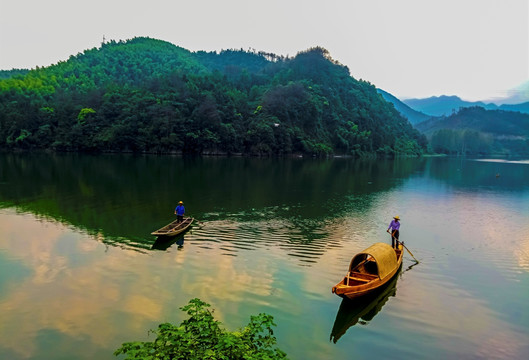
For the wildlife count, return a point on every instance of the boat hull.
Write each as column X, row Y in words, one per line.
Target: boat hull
column 174, row 228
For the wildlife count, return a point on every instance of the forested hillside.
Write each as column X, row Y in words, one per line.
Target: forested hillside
column 475, row 130
column 147, row 95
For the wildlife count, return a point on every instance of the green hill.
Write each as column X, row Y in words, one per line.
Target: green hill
column 478, row 131
column 147, row 95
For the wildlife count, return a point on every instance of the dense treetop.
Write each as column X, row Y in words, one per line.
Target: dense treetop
column 5, row 74
column 147, row 95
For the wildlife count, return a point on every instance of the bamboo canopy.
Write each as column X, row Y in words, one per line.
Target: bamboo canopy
column 384, row 256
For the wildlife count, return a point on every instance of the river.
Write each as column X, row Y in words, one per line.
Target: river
column 80, row 273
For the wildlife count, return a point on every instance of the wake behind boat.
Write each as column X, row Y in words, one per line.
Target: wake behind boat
column 174, row 228
column 369, row 270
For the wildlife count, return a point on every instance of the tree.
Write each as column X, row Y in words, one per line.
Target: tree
column 201, row 337
column 83, row 114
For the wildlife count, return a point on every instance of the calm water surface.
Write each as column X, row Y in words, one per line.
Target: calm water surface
column 80, row 273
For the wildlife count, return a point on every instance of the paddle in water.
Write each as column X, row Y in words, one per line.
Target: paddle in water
column 401, row 242
column 410, row 252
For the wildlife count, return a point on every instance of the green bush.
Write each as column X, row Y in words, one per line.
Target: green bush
column 201, row 337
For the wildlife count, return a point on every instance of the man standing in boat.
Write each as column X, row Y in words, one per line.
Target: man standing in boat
column 394, row 226
column 180, row 211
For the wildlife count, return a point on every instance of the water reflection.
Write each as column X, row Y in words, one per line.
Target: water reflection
column 62, row 288
column 165, row 242
column 276, row 235
column 480, row 175
column 306, row 241
column 362, row 310
column 128, row 195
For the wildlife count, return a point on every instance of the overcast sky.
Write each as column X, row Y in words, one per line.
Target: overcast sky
column 476, row 49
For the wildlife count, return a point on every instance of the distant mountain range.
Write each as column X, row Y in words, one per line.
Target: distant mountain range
column 419, row 110
column 412, row 115
column 447, row 105
column 455, row 126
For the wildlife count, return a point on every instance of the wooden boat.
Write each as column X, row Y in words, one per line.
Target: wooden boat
column 369, row 270
column 174, row 228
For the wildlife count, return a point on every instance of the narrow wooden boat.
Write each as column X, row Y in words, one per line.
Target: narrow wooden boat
column 369, row 270
column 174, row 228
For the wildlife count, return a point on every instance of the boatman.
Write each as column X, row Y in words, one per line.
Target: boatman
column 180, row 211
column 394, row 226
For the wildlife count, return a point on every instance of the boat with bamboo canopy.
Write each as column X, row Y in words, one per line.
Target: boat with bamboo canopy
column 369, row 270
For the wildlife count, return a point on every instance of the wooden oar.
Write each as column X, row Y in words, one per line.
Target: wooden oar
column 409, row 252
column 392, row 236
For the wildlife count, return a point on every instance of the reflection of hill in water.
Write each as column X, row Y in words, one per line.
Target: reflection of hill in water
column 478, row 175
column 122, row 198
column 361, row 310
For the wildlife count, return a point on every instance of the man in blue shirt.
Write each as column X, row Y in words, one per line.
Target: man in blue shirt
column 394, row 226
column 180, row 211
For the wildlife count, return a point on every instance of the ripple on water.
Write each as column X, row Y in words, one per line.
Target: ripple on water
column 305, row 240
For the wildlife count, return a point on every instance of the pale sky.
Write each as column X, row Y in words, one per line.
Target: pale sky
column 476, row 49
